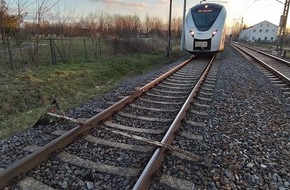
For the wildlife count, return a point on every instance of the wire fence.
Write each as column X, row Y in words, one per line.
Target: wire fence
column 50, row 51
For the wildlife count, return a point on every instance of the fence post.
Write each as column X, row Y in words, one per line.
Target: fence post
column 10, row 54
column 86, row 57
column 58, row 52
column 52, row 52
column 100, row 46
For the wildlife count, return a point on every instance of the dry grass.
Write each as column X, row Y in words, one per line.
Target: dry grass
column 25, row 96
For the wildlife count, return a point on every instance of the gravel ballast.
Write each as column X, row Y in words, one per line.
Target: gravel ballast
column 247, row 136
column 249, row 129
column 12, row 149
column 246, row 139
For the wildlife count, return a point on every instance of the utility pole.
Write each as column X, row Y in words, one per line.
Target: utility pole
column 241, row 28
column 242, row 23
column 183, row 25
column 282, row 26
column 169, row 31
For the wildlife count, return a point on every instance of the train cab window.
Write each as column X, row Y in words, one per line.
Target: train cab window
column 204, row 17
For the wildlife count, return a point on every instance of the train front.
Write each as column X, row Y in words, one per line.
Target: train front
column 205, row 28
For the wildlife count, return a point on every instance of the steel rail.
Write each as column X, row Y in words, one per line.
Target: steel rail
column 26, row 164
column 269, row 55
column 157, row 158
column 268, row 67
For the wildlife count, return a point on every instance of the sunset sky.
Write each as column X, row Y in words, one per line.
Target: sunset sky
column 253, row 11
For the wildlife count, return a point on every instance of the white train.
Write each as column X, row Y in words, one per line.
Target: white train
column 205, row 28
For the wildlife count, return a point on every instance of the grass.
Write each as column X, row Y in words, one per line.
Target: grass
column 69, row 49
column 25, row 96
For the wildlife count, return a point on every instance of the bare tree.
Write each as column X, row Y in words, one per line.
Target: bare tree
column 3, row 20
column 64, row 17
column 158, row 27
column 137, row 25
column 103, row 18
column 42, row 9
column 176, row 26
column 154, row 27
column 236, row 29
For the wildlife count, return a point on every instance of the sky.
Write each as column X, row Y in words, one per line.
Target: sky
column 252, row 11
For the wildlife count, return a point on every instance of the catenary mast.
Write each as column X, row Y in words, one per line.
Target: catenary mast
column 282, row 26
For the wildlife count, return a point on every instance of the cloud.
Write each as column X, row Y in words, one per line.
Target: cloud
column 122, row 4
column 164, row 1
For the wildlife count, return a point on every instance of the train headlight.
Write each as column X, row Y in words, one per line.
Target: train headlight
column 214, row 33
column 192, row 33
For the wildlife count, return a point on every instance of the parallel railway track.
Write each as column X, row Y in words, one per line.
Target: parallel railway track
column 272, row 63
column 101, row 153
column 277, row 70
column 234, row 134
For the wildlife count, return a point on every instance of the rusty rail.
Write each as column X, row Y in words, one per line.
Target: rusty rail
column 268, row 67
column 35, row 158
column 269, row 55
column 154, row 163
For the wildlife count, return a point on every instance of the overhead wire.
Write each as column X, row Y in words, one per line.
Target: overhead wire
column 261, row 8
column 243, row 9
column 280, row 2
column 249, row 6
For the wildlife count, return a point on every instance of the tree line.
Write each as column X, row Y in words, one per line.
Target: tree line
column 106, row 25
column 25, row 38
column 99, row 24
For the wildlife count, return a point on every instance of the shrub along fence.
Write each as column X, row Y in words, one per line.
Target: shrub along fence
column 49, row 51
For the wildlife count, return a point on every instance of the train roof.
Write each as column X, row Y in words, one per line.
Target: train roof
column 210, row 5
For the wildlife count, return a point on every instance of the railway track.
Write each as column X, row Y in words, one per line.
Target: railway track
column 274, row 68
column 178, row 171
column 114, row 146
column 235, row 135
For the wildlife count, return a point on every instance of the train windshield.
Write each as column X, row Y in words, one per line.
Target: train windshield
column 204, row 17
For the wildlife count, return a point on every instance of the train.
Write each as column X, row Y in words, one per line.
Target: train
column 204, row 29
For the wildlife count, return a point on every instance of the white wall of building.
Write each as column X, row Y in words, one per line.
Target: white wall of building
column 262, row 32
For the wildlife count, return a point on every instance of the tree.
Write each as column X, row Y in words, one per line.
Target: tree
column 3, row 21
column 154, row 27
column 147, row 25
column 158, row 27
column 42, row 8
column 236, row 29
column 137, row 25
column 176, row 27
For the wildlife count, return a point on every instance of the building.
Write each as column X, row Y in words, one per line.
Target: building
column 262, row 32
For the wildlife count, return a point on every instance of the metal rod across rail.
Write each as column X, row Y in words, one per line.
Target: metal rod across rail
column 35, row 158
column 158, row 156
